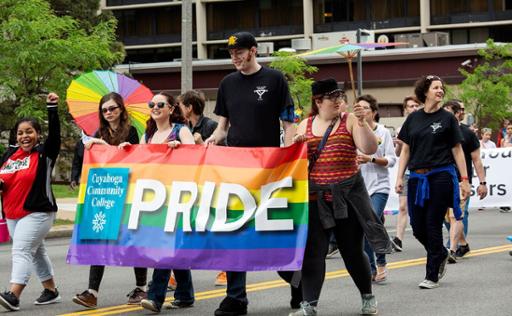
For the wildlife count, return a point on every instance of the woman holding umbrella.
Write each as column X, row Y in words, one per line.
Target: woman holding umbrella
column 166, row 125
column 115, row 128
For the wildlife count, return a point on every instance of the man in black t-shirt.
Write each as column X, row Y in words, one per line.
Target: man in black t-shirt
column 251, row 102
column 471, row 148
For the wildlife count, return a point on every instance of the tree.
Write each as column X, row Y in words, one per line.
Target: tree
column 42, row 52
column 295, row 70
column 83, row 11
column 487, row 89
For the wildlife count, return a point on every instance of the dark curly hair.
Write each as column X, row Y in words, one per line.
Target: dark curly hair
column 175, row 117
column 105, row 132
column 454, row 104
column 423, row 84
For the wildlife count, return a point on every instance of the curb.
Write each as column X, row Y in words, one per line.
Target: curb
column 61, row 231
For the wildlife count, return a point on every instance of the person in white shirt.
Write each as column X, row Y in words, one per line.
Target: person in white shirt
column 374, row 169
column 486, row 142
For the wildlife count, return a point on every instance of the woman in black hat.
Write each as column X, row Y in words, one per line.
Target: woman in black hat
column 338, row 198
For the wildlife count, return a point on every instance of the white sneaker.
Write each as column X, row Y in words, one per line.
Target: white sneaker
column 305, row 310
column 427, row 284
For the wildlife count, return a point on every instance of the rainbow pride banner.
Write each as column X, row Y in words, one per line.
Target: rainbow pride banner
column 215, row 208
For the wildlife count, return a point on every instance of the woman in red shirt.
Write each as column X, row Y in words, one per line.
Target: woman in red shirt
column 29, row 205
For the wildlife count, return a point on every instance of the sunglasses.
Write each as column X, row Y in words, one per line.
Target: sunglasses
column 109, row 109
column 160, row 105
column 432, row 78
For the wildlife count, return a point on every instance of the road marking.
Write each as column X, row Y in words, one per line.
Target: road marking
column 260, row 286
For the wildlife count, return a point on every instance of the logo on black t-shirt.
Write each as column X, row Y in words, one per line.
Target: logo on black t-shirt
column 435, row 127
column 260, row 91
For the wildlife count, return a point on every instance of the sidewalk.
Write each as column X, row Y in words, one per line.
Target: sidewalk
column 67, row 210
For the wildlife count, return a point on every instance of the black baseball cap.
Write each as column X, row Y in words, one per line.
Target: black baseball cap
column 242, row 40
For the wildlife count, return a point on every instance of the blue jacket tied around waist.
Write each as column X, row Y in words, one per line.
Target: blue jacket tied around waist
column 423, row 188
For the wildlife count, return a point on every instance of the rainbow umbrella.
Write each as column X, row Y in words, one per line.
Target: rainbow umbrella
column 349, row 51
column 84, row 94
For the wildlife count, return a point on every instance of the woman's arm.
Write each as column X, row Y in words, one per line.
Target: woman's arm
column 460, row 161
column 364, row 138
column 52, row 143
column 186, row 136
column 289, row 132
column 402, row 165
column 94, row 140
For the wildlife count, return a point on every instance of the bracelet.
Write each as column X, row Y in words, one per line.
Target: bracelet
column 483, row 183
column 464, row 178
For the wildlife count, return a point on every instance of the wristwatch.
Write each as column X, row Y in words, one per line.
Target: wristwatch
column 373, row 159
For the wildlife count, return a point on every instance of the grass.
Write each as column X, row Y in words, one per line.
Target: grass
column 63, row 222
column 64, row 191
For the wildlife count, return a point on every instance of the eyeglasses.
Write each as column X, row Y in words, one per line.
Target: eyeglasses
column 462, row 109
column 335, row 96
column 160, row 105
column 109, row 109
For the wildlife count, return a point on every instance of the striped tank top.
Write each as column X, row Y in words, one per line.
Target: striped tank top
column 337, row 160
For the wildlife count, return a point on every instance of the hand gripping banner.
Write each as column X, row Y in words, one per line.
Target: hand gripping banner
column 215, row 208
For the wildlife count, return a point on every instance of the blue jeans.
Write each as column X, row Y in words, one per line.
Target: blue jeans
column 28, row 248
column 379, row 201
column 464, row 222
column 158, row 288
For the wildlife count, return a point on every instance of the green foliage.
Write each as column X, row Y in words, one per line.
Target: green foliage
column 64, row 191
column 41, row 52
column 487, row 89
column 83, row 11
column 295, row 70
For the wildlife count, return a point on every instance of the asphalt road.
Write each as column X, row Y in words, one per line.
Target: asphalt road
column 478, row 285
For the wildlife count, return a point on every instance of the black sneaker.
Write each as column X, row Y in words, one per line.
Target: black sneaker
column 451, row 257
column 462, row 250
column 9, row 301
column 332, row 250
column 231, row 307
column 48, row 297
column 396, row 243
column 505, row 209
column 177, row 304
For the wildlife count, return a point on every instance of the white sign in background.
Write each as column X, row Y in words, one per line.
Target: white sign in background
column 498, row 172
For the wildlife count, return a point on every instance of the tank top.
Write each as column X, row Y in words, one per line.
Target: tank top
column 337, row 160
column 173, row 135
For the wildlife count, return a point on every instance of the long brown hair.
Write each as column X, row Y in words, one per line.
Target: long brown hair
column 105, row 132
column 175, row 117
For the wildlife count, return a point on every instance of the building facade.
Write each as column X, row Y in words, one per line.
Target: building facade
column 443, row 35
column 151, row 29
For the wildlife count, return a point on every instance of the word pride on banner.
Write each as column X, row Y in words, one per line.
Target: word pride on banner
column 218, row 208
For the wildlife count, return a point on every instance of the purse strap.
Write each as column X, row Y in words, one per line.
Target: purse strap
column 322, row 143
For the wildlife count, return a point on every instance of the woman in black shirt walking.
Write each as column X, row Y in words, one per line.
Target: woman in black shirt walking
column 432, row 151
